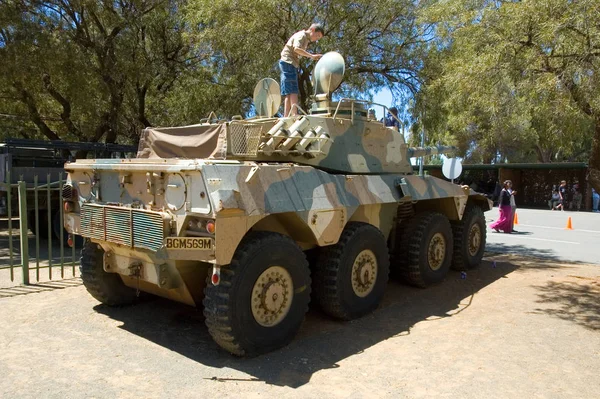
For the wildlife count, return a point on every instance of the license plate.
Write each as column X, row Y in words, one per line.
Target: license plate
column 188, row 243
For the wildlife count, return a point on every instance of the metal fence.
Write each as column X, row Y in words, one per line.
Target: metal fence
column 38, row 247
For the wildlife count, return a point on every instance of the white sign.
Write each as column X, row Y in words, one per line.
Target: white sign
column 452, row 168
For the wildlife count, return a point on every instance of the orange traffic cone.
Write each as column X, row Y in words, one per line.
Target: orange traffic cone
column 569, row 224
column 516, row 219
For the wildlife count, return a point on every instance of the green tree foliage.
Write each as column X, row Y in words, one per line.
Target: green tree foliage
column 516, row 80
column 101, row 70
column 380, row 40
column 88, row 70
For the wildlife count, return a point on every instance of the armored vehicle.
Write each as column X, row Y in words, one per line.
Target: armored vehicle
column 227, row 215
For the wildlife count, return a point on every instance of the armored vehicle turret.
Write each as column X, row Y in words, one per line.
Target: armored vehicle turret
column 222, row 214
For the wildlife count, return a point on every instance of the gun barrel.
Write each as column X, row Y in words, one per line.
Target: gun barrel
column 422, row 151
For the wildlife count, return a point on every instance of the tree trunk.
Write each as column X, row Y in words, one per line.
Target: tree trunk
column 141, row 97
column 540, row 153
column 34, row 114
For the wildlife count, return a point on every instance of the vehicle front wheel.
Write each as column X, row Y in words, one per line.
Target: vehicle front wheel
column 107, row 288
column 262, row 297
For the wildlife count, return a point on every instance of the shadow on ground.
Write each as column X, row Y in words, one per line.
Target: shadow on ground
column 521, row 250
column 322, row 342
column 8, row 292
column 577, row 301
column 41, row 257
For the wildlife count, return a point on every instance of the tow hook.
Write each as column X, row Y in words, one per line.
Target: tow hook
column 135, row 270
column 215, row 279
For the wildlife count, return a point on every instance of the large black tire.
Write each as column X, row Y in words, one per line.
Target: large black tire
column 42, row 221
column 244, row 290
column 347, row 283
column 399, row 254
column 469, row 239
column 427, row 259
column 107, row 288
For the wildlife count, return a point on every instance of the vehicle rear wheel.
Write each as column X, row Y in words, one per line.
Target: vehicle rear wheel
column 107, row 288
column 351, row 276
column 428, row 239
column 262, row 296
column 469, row 236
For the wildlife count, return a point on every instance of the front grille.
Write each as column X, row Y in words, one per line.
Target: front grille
column 92, row 221
column 118, row 226
column 149, row 230
column 131, row 227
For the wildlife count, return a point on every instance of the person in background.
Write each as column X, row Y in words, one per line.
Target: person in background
column 289, row 64
column 513, row 208
column 503, row 223
column 595, row 200
column 371, row 114
column 555, row 199
column 577, row 197
column 562, row 193
column 390, row 120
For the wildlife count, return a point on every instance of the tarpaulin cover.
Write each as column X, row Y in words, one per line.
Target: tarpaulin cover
column 189, row 142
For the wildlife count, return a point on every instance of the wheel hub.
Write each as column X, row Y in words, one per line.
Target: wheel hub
column 474, row 239
column 437, row 251
column 272, row 296
column 364, row 273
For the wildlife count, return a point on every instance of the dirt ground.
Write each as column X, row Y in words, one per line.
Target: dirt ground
column 514, row 328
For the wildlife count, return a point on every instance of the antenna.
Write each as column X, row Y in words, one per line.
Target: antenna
column 267, row 97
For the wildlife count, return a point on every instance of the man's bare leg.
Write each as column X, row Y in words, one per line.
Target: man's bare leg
column 286, row 105
column 293, row 100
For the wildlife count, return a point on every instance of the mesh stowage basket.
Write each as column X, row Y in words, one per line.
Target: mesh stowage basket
column 244, row 138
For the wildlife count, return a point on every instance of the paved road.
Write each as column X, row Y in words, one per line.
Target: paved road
column 542, row 233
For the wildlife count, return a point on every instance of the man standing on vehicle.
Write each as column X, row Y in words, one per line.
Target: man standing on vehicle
column 289, row 64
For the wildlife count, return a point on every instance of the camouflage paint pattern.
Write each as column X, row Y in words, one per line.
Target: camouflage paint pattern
column 305, row 177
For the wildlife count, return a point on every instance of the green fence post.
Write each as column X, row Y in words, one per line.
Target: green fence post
column 49, row 206
column 23, row 228
column 10, row 236
column 61, row 229
column 37, row 228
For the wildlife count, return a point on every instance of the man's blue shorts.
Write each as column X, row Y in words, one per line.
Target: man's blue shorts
column 289, row 78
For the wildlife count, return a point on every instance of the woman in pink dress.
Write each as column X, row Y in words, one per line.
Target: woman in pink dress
column 503, row 222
